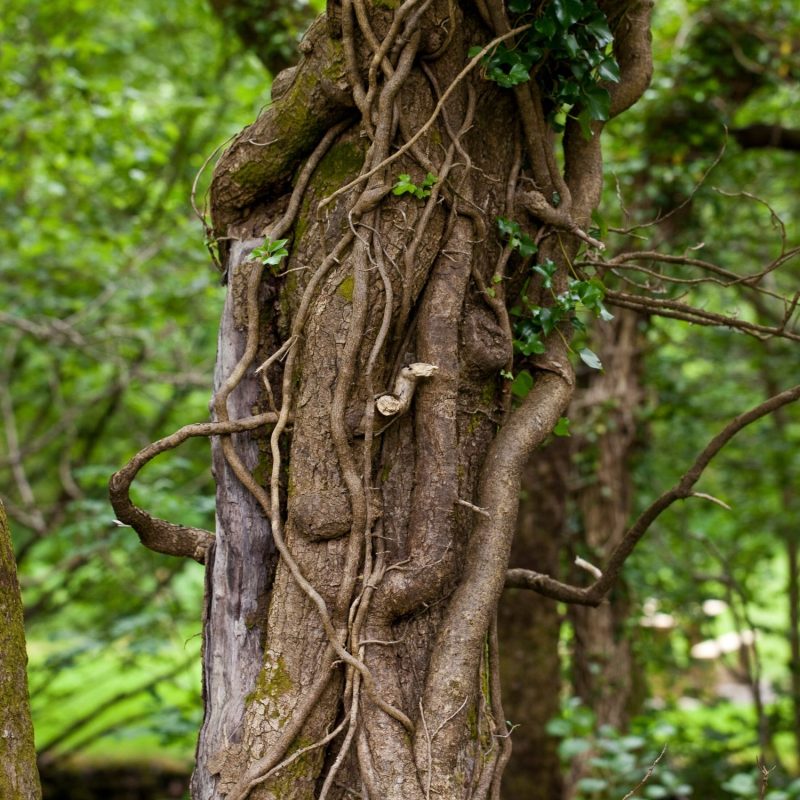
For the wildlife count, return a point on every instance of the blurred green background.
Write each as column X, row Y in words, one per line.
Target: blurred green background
column 108, row 329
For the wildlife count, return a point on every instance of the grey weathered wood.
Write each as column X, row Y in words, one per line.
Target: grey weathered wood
column 240, row 567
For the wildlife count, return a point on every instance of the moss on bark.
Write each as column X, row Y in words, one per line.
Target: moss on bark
column 19, row 778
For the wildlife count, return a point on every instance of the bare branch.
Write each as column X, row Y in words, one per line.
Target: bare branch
column 593, row 595
column 157, row 534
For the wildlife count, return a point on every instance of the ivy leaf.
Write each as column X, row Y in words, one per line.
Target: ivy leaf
column 590, row 359
column 271, row 253
column 608, row 69
column 562, row 427
column 404, row 185
column 598, row 28
column 519, row 6
column 522, row 384
column 592, row 785
column 526, row 246
column 601, row 222
column 571, row 45
column 508, row 227
column 596, row 102
column 605, row 314
column 430, row 180
column 516, row 75
column 546, row 25
column 585, row 121
column 567, row 11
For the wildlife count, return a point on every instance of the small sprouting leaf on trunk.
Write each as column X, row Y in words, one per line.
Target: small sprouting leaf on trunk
column 523, row 383
column 562, row 427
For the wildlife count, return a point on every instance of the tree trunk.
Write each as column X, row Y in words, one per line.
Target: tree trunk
column 530, row 629
column 369, row 665
column 603, row 668
column 19, row 778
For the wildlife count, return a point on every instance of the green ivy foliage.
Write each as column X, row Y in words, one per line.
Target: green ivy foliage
column 568, row 50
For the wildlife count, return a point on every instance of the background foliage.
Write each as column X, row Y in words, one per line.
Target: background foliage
column 108, row 329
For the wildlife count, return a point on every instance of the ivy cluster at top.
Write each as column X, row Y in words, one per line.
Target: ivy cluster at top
column 568, row 49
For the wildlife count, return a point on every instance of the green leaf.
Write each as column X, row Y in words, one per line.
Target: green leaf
column 508, row 227
column 597, row 26
column 605, row 314
column 522, row 384
column 546, row 25
column 601, row 223
column 590, row 358
column 597, row 102
column 571, row 45
column 570, row 748
column 567, row 11
column 608, row 69
column 474, row 50
column 562, row 427
column 516, row 75
column 657, row 792
column 519, row 6
column 526, row 246
column 585, row 121
column 558, row 727
column 404, row 185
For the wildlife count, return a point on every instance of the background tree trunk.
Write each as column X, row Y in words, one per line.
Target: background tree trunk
column 530, row 628
column 19, row 778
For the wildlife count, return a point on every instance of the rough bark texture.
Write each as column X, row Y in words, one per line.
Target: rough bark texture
column 603, row 666
column 529, row 628
column 370, row 663
column 19, row 778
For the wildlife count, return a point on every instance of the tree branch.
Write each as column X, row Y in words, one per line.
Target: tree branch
column 158, row 534
column 263, row 157
column 593, row 595
column 760, row 135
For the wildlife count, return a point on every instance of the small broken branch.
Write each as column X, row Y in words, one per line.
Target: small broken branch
column 399, row 401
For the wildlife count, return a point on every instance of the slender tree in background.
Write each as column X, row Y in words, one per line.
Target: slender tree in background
column 19, row 778
column 402, row 249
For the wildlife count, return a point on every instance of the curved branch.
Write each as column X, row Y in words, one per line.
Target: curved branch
column 158, row 534
column 595, row 594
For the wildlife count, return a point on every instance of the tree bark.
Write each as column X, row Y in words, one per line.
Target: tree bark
column 603, row 666
column 19, row 778
column 530, row 628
